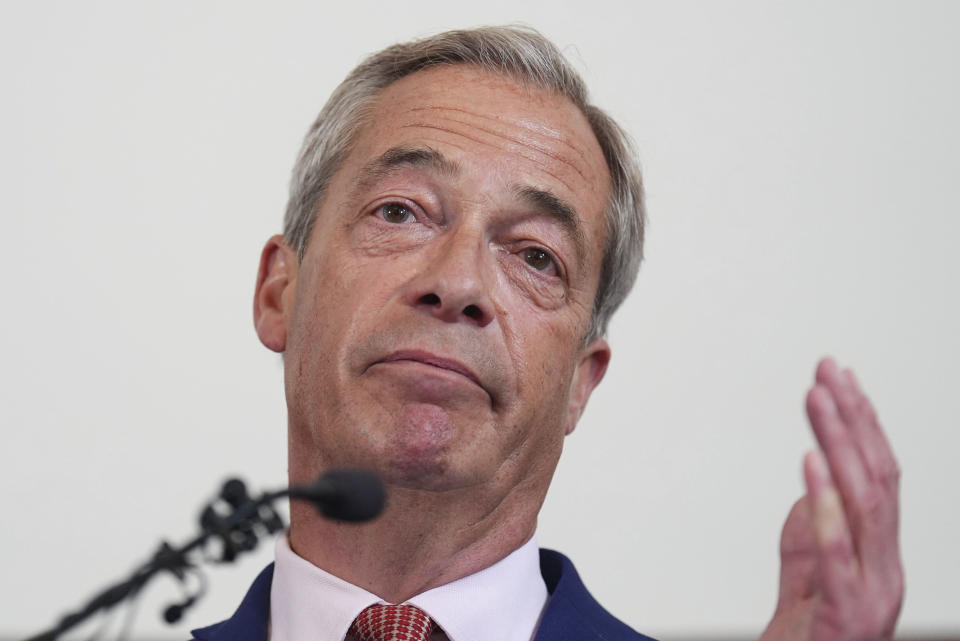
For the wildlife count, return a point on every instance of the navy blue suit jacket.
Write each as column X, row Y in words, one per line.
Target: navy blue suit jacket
column 571, row 613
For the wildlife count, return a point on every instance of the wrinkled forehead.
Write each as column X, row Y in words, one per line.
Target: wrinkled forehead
column 488, row 121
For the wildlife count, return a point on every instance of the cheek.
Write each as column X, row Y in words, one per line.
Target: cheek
column 344, row 280
column 542, row 341
column 540, row 346
column 539, row 430
column 327, row 301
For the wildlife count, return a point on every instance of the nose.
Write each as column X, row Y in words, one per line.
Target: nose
column 451, row 285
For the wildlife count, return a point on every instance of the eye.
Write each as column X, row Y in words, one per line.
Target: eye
column 538, row 259
column 395, row 213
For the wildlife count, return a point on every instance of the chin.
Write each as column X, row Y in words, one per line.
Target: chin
column 418, row 451
column 436, row 475
column 418, row 474
column 413, row 445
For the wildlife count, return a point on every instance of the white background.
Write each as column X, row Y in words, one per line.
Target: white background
column 802, row 165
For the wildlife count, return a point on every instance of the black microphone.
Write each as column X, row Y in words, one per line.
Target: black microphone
column 345, row 495
column 235, row 493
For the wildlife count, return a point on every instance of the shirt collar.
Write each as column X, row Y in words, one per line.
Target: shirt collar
column 503, row 601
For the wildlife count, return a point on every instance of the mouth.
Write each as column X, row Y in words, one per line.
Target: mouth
column 427, row 358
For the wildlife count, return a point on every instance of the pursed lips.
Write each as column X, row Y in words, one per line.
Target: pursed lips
column 428, row 358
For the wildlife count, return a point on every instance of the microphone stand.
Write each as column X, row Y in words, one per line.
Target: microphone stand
column 237, row 521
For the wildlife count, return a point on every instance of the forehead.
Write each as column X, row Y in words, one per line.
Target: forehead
column 499, row 131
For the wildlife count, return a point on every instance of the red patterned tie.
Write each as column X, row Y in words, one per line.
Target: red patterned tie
column 392, row 623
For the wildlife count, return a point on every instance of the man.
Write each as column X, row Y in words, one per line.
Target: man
column 461, row 226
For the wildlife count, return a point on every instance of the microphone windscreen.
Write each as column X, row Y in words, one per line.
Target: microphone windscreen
column 345, row 495
column 234, row 492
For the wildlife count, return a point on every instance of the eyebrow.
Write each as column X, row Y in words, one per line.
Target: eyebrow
column 542, row 201
column 398, row 157
column 556, row 208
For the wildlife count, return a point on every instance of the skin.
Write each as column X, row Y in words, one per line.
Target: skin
column 445, row 254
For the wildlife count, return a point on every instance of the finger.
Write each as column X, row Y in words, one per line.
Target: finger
column 846, row 463
column 839, row 570
column 798, row 553
column 872, row 507
column 873, row 441
column 881, row 536
column 858, row 414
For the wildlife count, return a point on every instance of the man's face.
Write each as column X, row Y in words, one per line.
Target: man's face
column 434, row 328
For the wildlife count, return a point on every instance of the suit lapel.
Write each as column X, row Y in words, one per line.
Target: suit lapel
column 249, row 622
column 572, row 614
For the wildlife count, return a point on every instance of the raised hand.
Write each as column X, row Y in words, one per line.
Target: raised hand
column 841, row 578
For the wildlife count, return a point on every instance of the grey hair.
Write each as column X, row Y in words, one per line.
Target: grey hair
column 520, row 53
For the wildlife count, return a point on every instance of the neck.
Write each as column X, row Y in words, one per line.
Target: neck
column 422, row 540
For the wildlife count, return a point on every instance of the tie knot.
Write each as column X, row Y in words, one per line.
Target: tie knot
column 392, row 623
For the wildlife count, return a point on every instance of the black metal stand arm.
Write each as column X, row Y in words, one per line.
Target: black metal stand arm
column 237, row 522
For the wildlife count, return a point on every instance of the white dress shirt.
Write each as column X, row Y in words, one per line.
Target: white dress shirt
column 500, row 603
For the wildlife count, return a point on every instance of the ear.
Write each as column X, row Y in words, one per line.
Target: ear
column 274, row 294
column 590, row 370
